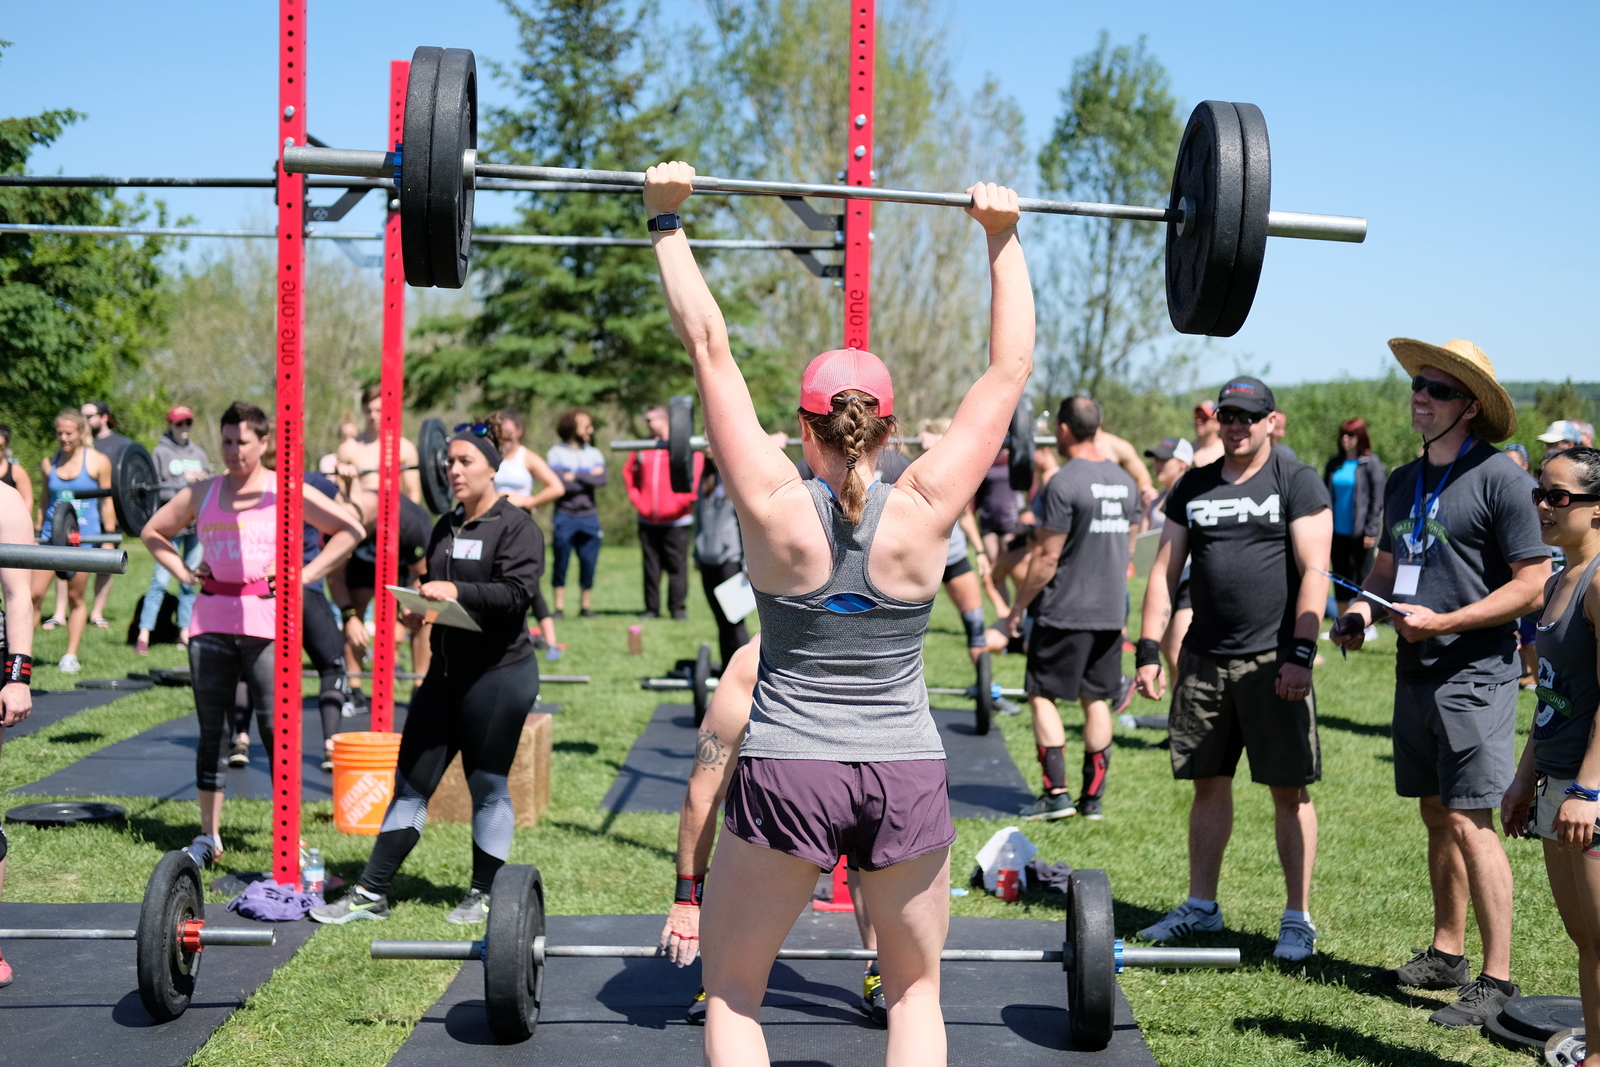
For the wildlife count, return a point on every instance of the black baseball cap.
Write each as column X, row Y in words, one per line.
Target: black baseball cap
column 1247, row 394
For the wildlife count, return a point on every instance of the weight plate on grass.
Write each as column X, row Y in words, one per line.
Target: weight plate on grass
column 415, row 247
column 1257, row 202
column 984, row 695
column 1092, row 974
column 135, row 488
column 513, row 981
column 1020, row 463
column 1501, row 1034
column 680, row 452
column 176, row 676
column 701, row 673
column 131, row 685
column 450, row 188
column 1209, row 179
column 65, row 813
column 166, row 969
column 1541, row 1018
column 64, row 531
column 433, row 458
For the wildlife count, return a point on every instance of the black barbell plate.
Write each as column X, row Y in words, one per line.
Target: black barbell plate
column 65, row 813
column 984, row 696
column 513, row 982
column 680, row 449
column 1541, row 1018
column 699, row 675
column 433, row 447
column 455, row 130
column 176, row 676
column 166, row 972
column 1496, row 1029
column 1200, row 261
column 135, row 488
column 64, row 530
column 416, row 251
column 1020, row 460
column 132, row 685
column 1257, row 202
column 1092, row 977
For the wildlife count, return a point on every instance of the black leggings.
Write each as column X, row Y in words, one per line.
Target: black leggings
column 481, row 717
column 731, row 636
column 324, row 646
column 218, row 663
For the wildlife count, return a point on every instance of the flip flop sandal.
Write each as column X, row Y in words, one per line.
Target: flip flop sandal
column 52, row 623
column 101, row 622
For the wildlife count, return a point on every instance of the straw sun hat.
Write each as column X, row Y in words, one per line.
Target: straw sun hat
column 1465, row 361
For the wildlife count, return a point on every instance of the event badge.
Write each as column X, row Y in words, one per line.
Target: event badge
column 466, row 549
column 1406, row 576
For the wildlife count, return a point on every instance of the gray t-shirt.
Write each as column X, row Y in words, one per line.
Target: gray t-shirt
column 1568, row 690
column 1093, row 502
column 172, row 461
column 1481, row 523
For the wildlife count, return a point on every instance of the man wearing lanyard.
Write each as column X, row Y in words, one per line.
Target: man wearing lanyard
column 1460, row 555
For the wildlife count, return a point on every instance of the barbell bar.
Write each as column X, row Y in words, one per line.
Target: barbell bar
column 697, row 443
column 169, row 939
column 64, row 558
column 513, row 978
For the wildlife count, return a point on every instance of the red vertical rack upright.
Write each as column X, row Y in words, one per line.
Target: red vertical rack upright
column 392, row 383
column 290, row 443
column 858, row 171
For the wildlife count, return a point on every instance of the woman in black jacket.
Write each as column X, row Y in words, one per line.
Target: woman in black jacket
column 480, row 686
column 1355, row 480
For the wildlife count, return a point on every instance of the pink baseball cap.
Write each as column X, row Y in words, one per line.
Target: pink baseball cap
column 840, row 371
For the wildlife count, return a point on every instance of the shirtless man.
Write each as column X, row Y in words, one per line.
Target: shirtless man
column 358, row 456
column 1207, row 435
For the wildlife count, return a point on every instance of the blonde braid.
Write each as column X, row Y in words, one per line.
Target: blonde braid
column 852, row 424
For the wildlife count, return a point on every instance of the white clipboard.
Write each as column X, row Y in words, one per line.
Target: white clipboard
column 735, row 597
column 441, row 612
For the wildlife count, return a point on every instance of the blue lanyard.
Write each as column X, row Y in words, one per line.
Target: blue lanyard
column 1420, row 515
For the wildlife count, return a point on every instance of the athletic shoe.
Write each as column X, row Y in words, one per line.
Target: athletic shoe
column 239, row 754
column 1426, row 970
column 1480, row 1000
column 872, row 1003
column 204, row 850
column 6, row 974
column 1184, row 920
column 350, row 907
column 680, row 616
column 1089, row 808
column 649, row 615
column 695, row 1013
column 69, row 664
column 1129, row 685
column 558, row 614
column 1565, row 1048
column 1049, row 806
column 472, row 910
column 327, row 764
column 585, row 613
column 1297, row 940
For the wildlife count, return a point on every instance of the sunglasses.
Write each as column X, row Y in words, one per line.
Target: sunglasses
column 1560, row 498
column 1438, row 390
column 184, row 423
column 481, row 429
column 1230, row 416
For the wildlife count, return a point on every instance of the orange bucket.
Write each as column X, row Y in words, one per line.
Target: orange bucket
column 363, row 780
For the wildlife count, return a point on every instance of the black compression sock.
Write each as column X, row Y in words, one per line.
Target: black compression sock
column 1454, row 961
column 1095, row 766
column 1053, row 762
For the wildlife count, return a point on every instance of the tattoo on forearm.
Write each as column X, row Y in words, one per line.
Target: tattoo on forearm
column 709, row 750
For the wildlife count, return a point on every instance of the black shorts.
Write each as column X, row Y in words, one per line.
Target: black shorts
column 957, row 569
column 1074, row 664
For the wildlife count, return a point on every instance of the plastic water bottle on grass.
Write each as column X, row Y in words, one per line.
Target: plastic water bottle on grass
column 1008, row 883
column 313, row 874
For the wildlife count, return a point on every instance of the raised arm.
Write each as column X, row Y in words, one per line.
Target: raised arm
column 732, row 428
column 947, row 474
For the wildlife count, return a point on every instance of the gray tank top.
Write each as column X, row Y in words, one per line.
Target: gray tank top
column 1568, row 689
column 841, row 666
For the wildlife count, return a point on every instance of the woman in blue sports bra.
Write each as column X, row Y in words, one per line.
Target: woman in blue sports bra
column 75, row 468
column 841, row 754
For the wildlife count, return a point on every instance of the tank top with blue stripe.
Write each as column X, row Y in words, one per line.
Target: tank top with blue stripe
column 60, row 488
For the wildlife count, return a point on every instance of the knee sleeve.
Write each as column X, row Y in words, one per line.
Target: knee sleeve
column 976, row 637
column 493, row 818
column 1053, row 762
column 334, row 683
column 408, row 810
column 1095, row 765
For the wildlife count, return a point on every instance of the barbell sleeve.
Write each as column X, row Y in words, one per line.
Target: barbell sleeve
column 351, row 162
column 1181, row 958
column 1316, row 227
column 64, row 558
column 233, row 937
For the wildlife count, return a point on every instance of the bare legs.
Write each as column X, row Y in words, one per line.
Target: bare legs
column 78, row 609
column 1466, row 863
column 1211, row 825
column 1575, row 884
column 1048, row 732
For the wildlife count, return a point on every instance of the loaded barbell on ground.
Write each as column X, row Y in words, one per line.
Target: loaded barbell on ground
column 1218, row 214
column 172, row 932
column 514, row 953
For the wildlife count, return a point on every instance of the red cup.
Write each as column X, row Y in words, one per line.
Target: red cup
column 1008, row 885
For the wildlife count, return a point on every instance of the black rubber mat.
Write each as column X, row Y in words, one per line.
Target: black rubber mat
column 77, row 1002
column 600, row 1012
column 984, row 782
column 53, row 706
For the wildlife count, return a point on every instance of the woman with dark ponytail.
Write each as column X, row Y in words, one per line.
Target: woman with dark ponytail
column 841, row 755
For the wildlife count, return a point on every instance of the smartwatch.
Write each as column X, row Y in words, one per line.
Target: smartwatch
column 664, row 223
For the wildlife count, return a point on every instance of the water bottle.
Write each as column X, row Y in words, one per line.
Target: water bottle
column 635, row 640
column 1008, row 880
column 312, row 875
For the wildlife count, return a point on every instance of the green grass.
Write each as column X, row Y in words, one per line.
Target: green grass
column 332, row 1004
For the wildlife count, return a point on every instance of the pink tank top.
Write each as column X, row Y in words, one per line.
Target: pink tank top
column 239, row 546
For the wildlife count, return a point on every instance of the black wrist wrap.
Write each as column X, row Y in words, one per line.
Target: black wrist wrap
column 1146, row 653
column 19, row 668
column 1302, row 650
column 688, row 891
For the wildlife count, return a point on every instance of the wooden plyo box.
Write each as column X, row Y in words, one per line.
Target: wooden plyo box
column 529, row 779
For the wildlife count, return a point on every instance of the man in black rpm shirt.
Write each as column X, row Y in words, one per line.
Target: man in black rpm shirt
column 1255, row 524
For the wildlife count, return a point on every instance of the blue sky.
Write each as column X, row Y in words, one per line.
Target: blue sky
column 1465, row 132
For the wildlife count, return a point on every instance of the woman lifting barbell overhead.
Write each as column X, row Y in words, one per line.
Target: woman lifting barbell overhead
column 842, row 754
column 487, row 555
column 234, row 625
